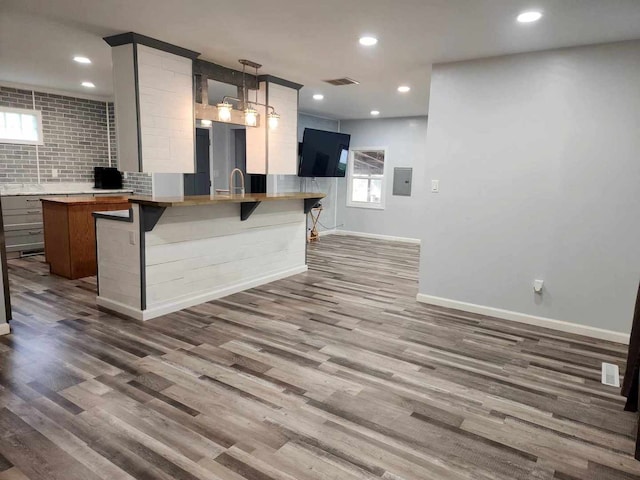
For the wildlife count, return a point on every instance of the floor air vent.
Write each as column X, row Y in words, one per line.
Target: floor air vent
column 338, row 82
column 610, row 374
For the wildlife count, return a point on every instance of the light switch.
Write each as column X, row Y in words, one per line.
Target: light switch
column 54, row 173
column 132, row 238
column 435, row 186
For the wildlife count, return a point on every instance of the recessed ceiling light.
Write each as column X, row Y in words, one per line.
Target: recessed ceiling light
column 368, row 41
column 81, row 59
column 318, row 96
column 528, row 17
column 403, row 89
column 88, row 85
column 375, row 113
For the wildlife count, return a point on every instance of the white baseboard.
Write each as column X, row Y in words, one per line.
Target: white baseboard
column 126, row 310
column 198, row 299
column 327, row 232
column 5, row 329
column 559, row 325
column 390, row 238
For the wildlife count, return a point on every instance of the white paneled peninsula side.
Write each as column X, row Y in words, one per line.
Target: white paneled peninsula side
column 167, row 254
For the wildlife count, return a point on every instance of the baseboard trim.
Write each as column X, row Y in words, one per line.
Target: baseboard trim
column 559, row 325
column 198, row 299
column 390, row 238
column 112, row 306
column 5, row 329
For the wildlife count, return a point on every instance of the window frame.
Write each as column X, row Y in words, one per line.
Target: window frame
column 24, row 111
column 351, row 176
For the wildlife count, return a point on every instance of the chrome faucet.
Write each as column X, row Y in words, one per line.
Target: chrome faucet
column 232, row 188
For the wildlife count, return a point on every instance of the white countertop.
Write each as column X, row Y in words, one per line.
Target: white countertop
column 14, row 189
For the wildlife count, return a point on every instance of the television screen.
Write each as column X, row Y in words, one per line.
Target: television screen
column 323, row 154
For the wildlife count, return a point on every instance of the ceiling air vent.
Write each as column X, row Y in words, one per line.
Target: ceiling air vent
column 339, row 82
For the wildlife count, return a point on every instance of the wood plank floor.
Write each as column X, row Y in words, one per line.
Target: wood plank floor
column 334, row 374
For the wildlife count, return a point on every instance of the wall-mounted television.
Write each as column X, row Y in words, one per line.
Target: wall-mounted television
column 323, row 154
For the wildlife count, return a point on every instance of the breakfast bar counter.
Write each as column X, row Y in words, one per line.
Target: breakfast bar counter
column 169, row 253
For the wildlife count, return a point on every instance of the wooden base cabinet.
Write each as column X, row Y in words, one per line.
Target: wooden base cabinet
column 69, row 233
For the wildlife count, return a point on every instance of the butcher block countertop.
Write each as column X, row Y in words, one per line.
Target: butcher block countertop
column 85, row 200
column 216, row 199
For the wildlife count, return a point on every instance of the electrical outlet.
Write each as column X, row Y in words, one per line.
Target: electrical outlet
column 54, row 173
column 125, row 175
column 435, row 186
column 537, row 286
column 132, row 238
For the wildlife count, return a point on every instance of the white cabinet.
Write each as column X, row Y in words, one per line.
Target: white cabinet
column 275, row 151
column 154, row 106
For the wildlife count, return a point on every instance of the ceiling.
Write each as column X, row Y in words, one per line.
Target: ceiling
column 303, row 41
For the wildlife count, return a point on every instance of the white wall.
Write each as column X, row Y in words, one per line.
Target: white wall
column 167, row 184
column 538, row 157
column 405, row 139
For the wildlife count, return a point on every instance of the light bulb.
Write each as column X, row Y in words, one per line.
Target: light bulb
column 273, row 120
column 528, row 17
column 224, row 112
column 250, row 117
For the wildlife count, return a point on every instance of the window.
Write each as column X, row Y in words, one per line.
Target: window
column 366, row 178
column 19, row 125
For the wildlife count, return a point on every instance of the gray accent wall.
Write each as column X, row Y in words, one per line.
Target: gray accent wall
column 406, row 142
column 140, row 183
column 538, row 158
column 75, row 141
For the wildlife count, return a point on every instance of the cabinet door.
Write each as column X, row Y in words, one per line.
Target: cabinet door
column 274, row 151
column 167, row 125
column 282, row 150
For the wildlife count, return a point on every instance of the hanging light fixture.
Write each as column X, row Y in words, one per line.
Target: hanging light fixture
column 224, row 111
column 250, row 117
column 273, row 120
column 225, row 108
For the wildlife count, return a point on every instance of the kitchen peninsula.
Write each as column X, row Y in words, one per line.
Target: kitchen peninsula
column 170, row 253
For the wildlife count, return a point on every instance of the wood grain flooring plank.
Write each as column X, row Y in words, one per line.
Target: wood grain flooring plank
column 336, row 373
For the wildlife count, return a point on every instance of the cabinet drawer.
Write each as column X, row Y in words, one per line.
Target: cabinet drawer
column 24, row 232
column 23, row 247
column 27, row 237
column 26, row 202
column 30, row 216
column 23, row 226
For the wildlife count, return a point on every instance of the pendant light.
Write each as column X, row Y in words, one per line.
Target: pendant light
column 248, row 107
column 250, row 117
column 224, row 111
column 273, row 120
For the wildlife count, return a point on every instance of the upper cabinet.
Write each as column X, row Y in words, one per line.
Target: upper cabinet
column 154, row 105
column 274, row 151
